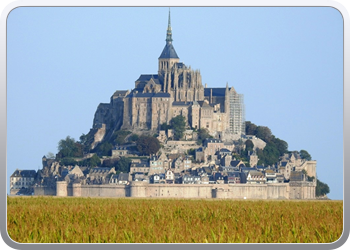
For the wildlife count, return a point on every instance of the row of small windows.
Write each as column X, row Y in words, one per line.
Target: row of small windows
column 145, row 169
column 147, row 99
column 21, row 183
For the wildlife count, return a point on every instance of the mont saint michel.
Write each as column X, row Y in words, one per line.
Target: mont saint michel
column 175, row 90
column 172, row 136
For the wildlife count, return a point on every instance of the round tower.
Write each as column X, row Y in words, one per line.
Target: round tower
column 76, row 189
column 138, row 189
column 61, row 188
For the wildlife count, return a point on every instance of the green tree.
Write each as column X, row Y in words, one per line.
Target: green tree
column 281, row 145
column 250, row 128
column 134, row 137
column 119, row 137
column 83, row 138
column 271, row 154
column 110, row 162
column 179, row 126
column 191, row 151
column 105, row 149
column 321, row 188
column 69, row 148
column 86, row 141
column 203, row 134
column 165, row 126
column 264, row 133
column 68, row 161
column 147, row 145
column 249, row 145
column 94, row 161
column 305, row 155
column 261, row 156
column 123, row 165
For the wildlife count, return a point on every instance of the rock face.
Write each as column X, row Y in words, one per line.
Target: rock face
column 47, row 176
column 98, row 136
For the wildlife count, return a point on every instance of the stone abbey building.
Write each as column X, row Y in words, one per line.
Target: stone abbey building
column 175, row 90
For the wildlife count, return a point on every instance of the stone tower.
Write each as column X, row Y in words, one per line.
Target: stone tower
column 167, row 59
column 181, row 82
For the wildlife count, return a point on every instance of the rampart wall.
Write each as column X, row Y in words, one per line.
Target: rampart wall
column 253, row 191
column 104, row 190
column 44, row 191
column 298, row 190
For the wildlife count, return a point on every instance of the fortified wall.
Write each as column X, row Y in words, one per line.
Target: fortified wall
column 292, row 190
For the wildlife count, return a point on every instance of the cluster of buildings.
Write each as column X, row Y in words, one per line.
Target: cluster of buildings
column 217, row 168
column 209, row 171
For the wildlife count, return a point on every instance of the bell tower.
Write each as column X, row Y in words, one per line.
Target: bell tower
column 168, row 57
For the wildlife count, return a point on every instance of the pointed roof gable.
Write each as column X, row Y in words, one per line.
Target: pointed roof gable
column 168, row 52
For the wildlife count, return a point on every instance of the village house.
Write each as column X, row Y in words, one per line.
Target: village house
column 199, row 154
column 233, row 178
column 191, row 179
column 21, row 179
column 119, row 151
column 271, row 176
column 255, row 176
column 99, row 175
column 142, row 167
column 154, row 179
column 113, row 179
column 123, row 178
column 169, row 177
column 155, row 165
column 204, row 178
column 219, row 178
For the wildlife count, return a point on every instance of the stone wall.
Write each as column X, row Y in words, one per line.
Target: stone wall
column 302, row 190
column 297, row 190
column 104, row 190
column 14, row 191
column 182, row 143
column 140, row 189
column 44, row 191
column 61, row 188
column 180, row 146
column 252, row 191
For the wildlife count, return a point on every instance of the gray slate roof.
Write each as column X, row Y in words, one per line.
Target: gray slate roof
column 151, row 95
column 168, row 52
column 147, row 77
column 123, row 177
column 182, row 103
column 296, row 176
column 216, row 91
column 24, row 173
column 120, row 93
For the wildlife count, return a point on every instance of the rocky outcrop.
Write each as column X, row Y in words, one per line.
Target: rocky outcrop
column 98, row 136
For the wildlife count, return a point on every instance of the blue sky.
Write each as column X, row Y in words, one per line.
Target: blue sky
column 288, row 63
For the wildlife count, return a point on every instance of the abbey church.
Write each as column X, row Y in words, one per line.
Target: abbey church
column 175, row 90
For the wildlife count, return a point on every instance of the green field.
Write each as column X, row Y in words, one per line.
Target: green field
column 128, row 220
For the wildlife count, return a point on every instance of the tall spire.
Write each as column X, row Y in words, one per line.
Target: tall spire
column 169, row 38
column 168, row 51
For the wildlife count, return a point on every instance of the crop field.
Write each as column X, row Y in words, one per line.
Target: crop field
column 128, row 220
